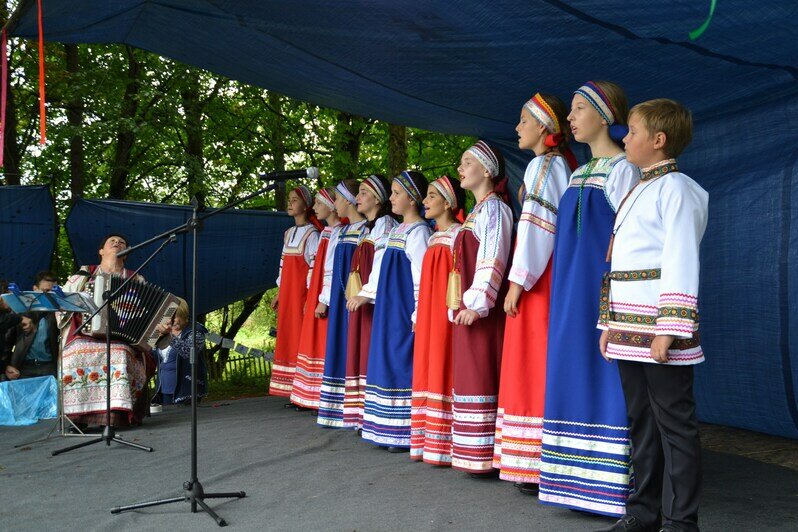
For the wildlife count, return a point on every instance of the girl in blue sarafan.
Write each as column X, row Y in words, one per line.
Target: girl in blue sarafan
column 585, row 444
column 393, row 288
column 331, row 400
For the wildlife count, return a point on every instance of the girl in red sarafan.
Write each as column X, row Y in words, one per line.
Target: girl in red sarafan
column 519, row 421
column 299, row 252
column 313, row 338
column 481, row 250
column 431, row 407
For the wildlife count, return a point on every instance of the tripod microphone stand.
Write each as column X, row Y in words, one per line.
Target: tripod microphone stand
column 109, row 432
column 194, row 493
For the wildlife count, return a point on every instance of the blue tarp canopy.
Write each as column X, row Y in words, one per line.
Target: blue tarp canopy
column 465, row 67
column 238, row 250
column 27, row 233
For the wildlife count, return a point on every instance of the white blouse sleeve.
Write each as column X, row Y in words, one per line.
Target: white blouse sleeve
column 369, row 290
column 623, row 176
column 329, row 262
column 545, row 182
column 311, row 247
column 415, row 248
column 282, row 255
column 493, row 228
column 683, row 207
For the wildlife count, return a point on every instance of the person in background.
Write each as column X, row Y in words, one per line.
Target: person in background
column 173, row 381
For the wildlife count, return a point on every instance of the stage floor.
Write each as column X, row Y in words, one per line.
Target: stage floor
column 299, row 476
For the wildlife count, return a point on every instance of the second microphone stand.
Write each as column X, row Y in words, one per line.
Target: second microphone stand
column 194, row 493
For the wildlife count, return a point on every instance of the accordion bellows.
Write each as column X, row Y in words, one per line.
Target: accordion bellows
column 136, row 312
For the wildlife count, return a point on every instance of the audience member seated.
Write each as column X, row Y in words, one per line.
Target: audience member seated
column 173, row 385
column 85, row 374
column 8, row 321
column 34, row 350
column 34, row 342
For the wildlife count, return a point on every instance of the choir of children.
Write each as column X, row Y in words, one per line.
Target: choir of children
column 485, row 355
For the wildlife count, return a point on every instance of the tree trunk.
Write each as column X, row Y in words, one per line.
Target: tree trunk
column 195, row 161
column 397, row 149
column 125, row 137
column 12, row 153
column 278, row 148
column 346, row 147
column 217, row 365
column 74, row 109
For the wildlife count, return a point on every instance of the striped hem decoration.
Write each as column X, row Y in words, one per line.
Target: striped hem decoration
column 585, row 466
column 431, row 428
column 307, row 381
column 386, row 416
column 331, row 403
column 282, row 380
column 517, row 447
column 473, row 432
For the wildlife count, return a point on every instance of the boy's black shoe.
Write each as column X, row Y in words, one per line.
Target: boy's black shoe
column 629, row 523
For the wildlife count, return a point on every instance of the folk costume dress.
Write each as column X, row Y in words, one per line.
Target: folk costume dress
column 431, row 406
column 299, row 252
column 331, row 400
column 85, row 375
column 481, row 250
column 651, row 291
column 313, row 336
column 393, row 287
column 359, row 332
column 585, row 448
column 519, row 421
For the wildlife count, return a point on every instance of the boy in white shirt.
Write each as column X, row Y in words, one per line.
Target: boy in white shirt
column 649, row 317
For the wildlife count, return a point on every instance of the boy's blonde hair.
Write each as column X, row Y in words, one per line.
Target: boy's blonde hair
column 669, row 117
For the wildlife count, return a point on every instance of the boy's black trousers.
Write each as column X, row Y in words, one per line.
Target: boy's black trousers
column 666, row 450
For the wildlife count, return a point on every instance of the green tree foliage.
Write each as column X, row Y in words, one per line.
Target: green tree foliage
column 128, row 124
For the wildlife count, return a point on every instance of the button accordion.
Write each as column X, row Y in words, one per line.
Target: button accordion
column 135, row 312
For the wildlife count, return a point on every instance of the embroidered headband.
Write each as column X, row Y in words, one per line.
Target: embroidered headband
column 377, row 188
column 596, row 97
column 326, row 196
column 444, row 186
column 543, row 112
column 485, row 155
column 410, row 187
column 341, row 189
column 304, row 193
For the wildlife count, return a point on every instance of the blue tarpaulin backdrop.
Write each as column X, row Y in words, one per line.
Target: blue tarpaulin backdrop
column 239, row 251
column 465, row 67
column 27, row 233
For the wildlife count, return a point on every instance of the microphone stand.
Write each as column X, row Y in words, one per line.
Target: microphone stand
column 194, row 493
column 109, row 432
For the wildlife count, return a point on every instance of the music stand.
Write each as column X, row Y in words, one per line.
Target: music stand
column 194, row 491
column 109, row 432
column 36, row 301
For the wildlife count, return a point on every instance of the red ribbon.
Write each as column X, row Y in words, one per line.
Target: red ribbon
column 42, row 117
column 3, row 95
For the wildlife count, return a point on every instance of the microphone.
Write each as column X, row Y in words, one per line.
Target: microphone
column 286, row 175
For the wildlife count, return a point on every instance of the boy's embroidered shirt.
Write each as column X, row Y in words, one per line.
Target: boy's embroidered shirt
column 300, row 240
column 545, row 181
column 351, row 233
column 491, row 222
column 653, row 286
column 413, row 240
